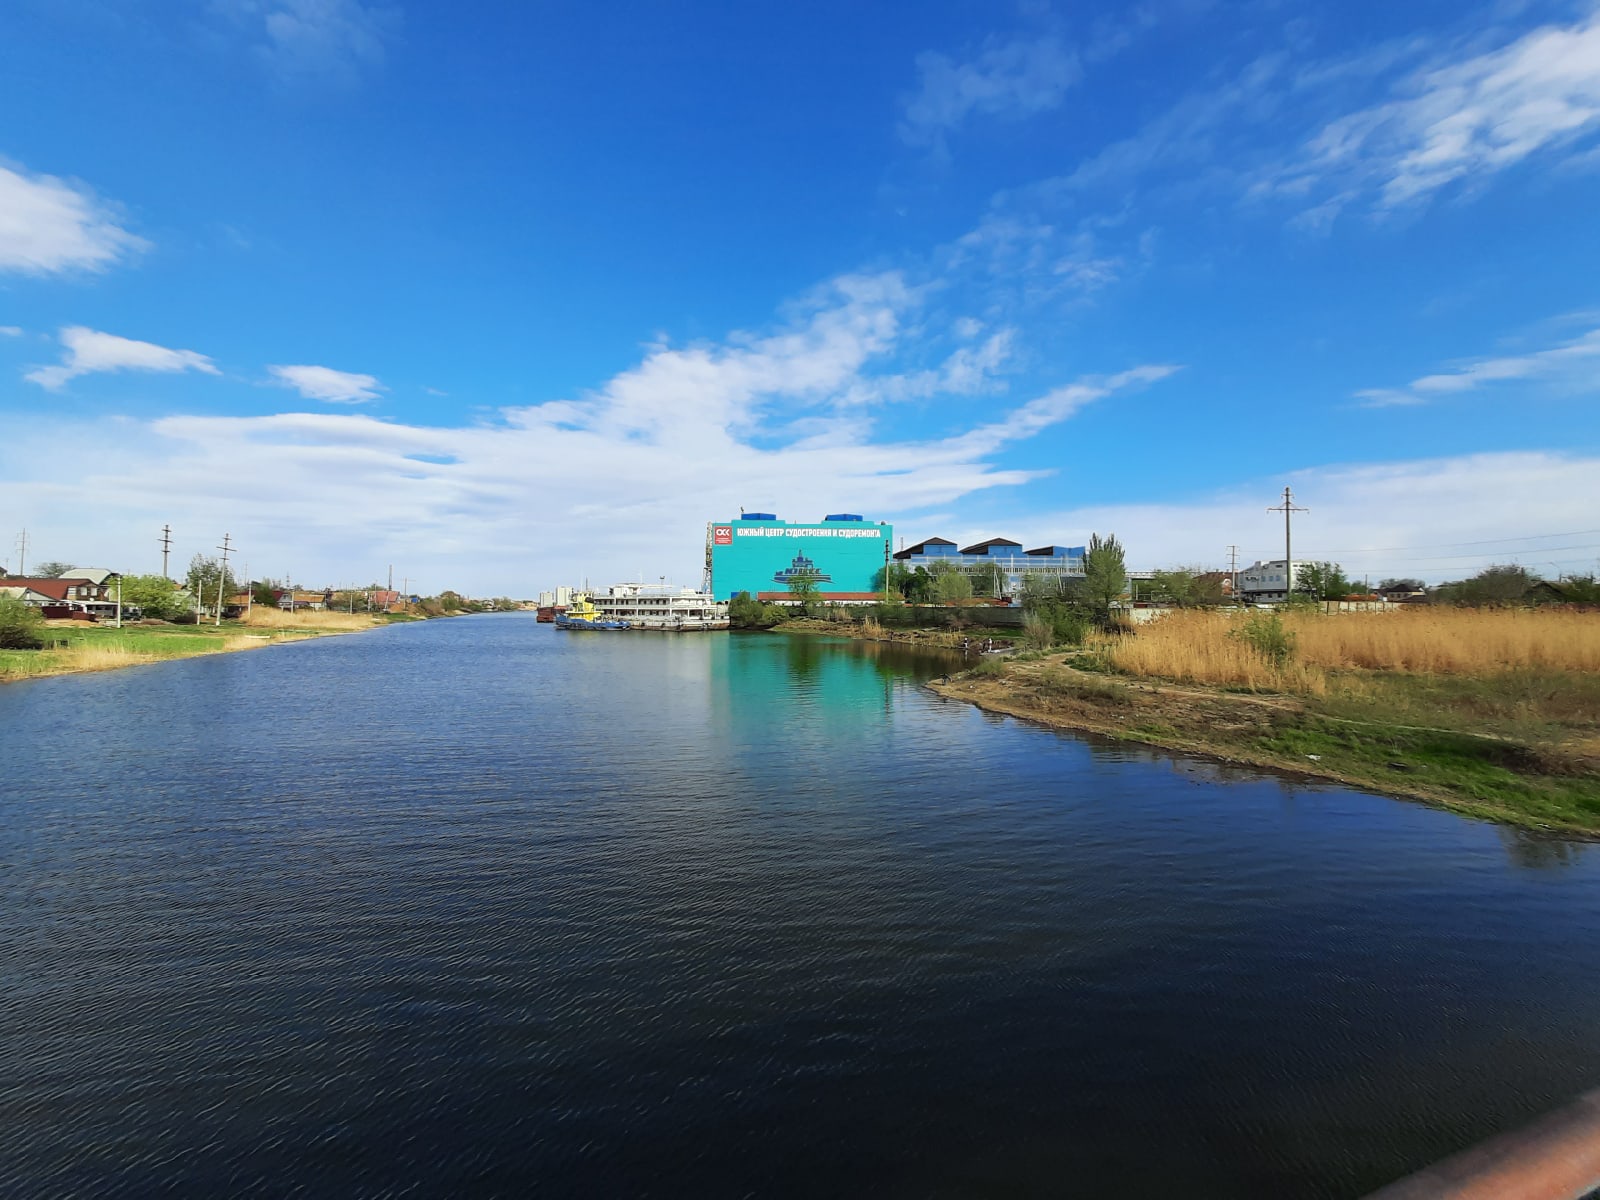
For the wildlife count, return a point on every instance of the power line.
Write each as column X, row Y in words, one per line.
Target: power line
column 1526, row 537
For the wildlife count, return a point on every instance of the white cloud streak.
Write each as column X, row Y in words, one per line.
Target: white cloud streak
column 1458, row 123
column 328, row 385
column 88, row 351
column 1573, row 363
column 1013, row 77
column 49, row 226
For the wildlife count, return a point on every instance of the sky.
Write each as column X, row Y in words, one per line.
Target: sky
column 509, row 295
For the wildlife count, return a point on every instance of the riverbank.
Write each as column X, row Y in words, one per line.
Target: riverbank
column 1520, row 748
column 872, row 631
column 83, row 647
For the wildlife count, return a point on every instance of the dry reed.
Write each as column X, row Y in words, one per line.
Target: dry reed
column 276, row 618
column 1450, row 641
column 1206, row 647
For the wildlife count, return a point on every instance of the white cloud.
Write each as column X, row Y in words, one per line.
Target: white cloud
column 1014, row 77
column 10, row 330
column 324, row 383
column 309, row 39
column 1575, row 362
column 48, row 226
column 88, row 351
column 535, row 495
column 1460, row 121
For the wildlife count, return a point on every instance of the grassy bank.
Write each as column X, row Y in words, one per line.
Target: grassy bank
column 78, row 647
column 1496, row 714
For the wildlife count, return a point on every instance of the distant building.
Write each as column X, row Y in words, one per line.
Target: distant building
column 843, row 555
column 1268, row 582
column 1017, row 564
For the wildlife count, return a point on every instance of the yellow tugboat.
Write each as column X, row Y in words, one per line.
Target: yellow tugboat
column 582, row 614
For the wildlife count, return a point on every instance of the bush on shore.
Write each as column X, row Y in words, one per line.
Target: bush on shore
column 21, row 626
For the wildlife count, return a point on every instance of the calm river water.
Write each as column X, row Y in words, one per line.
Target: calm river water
column 479, row 907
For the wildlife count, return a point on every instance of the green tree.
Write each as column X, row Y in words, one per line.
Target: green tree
column 805, row 593
column 154, row 596
column 952, row 587
column 988, row 579
column 51, row 570
column 746, row 612
column 1105, row 575
column 20, row 625
column 1499, row 584
column 920, row 588
column 205, row 572
column 1581, row 589
column 1322, row 581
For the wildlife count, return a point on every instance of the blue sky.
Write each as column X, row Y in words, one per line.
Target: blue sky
column 509, row 295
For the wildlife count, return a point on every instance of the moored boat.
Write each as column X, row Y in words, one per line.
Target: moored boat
column 582, row 614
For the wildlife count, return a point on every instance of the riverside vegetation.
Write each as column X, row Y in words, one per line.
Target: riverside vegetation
column 1491, row 712
column 31, row 648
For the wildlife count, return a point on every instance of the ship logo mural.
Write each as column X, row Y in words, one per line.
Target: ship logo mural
column 801, row 568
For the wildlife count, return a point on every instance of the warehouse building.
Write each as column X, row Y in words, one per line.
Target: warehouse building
column 843, row 555
column 1012, row 561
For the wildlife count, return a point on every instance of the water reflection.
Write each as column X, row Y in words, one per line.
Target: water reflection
column 1540, row 852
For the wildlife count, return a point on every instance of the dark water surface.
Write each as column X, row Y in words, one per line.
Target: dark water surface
column 479, row 907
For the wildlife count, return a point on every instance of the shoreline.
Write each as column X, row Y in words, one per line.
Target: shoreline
column 98, row 648
column 1229, row 728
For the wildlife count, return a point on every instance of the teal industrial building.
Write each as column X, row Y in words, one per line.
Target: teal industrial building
column 843, row 555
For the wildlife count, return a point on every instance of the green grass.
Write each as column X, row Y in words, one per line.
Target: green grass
column 1491, row 776
column 154, row 641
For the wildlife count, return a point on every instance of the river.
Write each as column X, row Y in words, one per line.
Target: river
column 480, row 907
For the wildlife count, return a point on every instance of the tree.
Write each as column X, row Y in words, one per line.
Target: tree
column 1105, row 575
column 952, row 587
column 1322, row 581
column 746, row 612
column 920, row 588
column 155, row 596
column 205, row 572
column 20, row 625
column 1492, row 585
column 803, row 590
column 51, row 570
column 988, row 579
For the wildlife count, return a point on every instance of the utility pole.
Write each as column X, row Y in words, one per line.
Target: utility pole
column 166, row 549
column 22, row 553
column 222, row 575
column 1233, row 569
column 1288, row 508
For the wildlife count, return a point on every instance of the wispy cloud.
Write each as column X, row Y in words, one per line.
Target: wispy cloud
column 594, row 484
column 328, row 385
column 10, row 330
column 48, row 225
column 1573, row 362
column 1010, row 77
column 87, row 351
column 1458, row 122
column 314, row 39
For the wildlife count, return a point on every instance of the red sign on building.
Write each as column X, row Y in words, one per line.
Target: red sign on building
column 722, row 535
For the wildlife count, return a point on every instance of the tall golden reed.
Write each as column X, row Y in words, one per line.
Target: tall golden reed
column 1202, row 647
column 261, row 617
